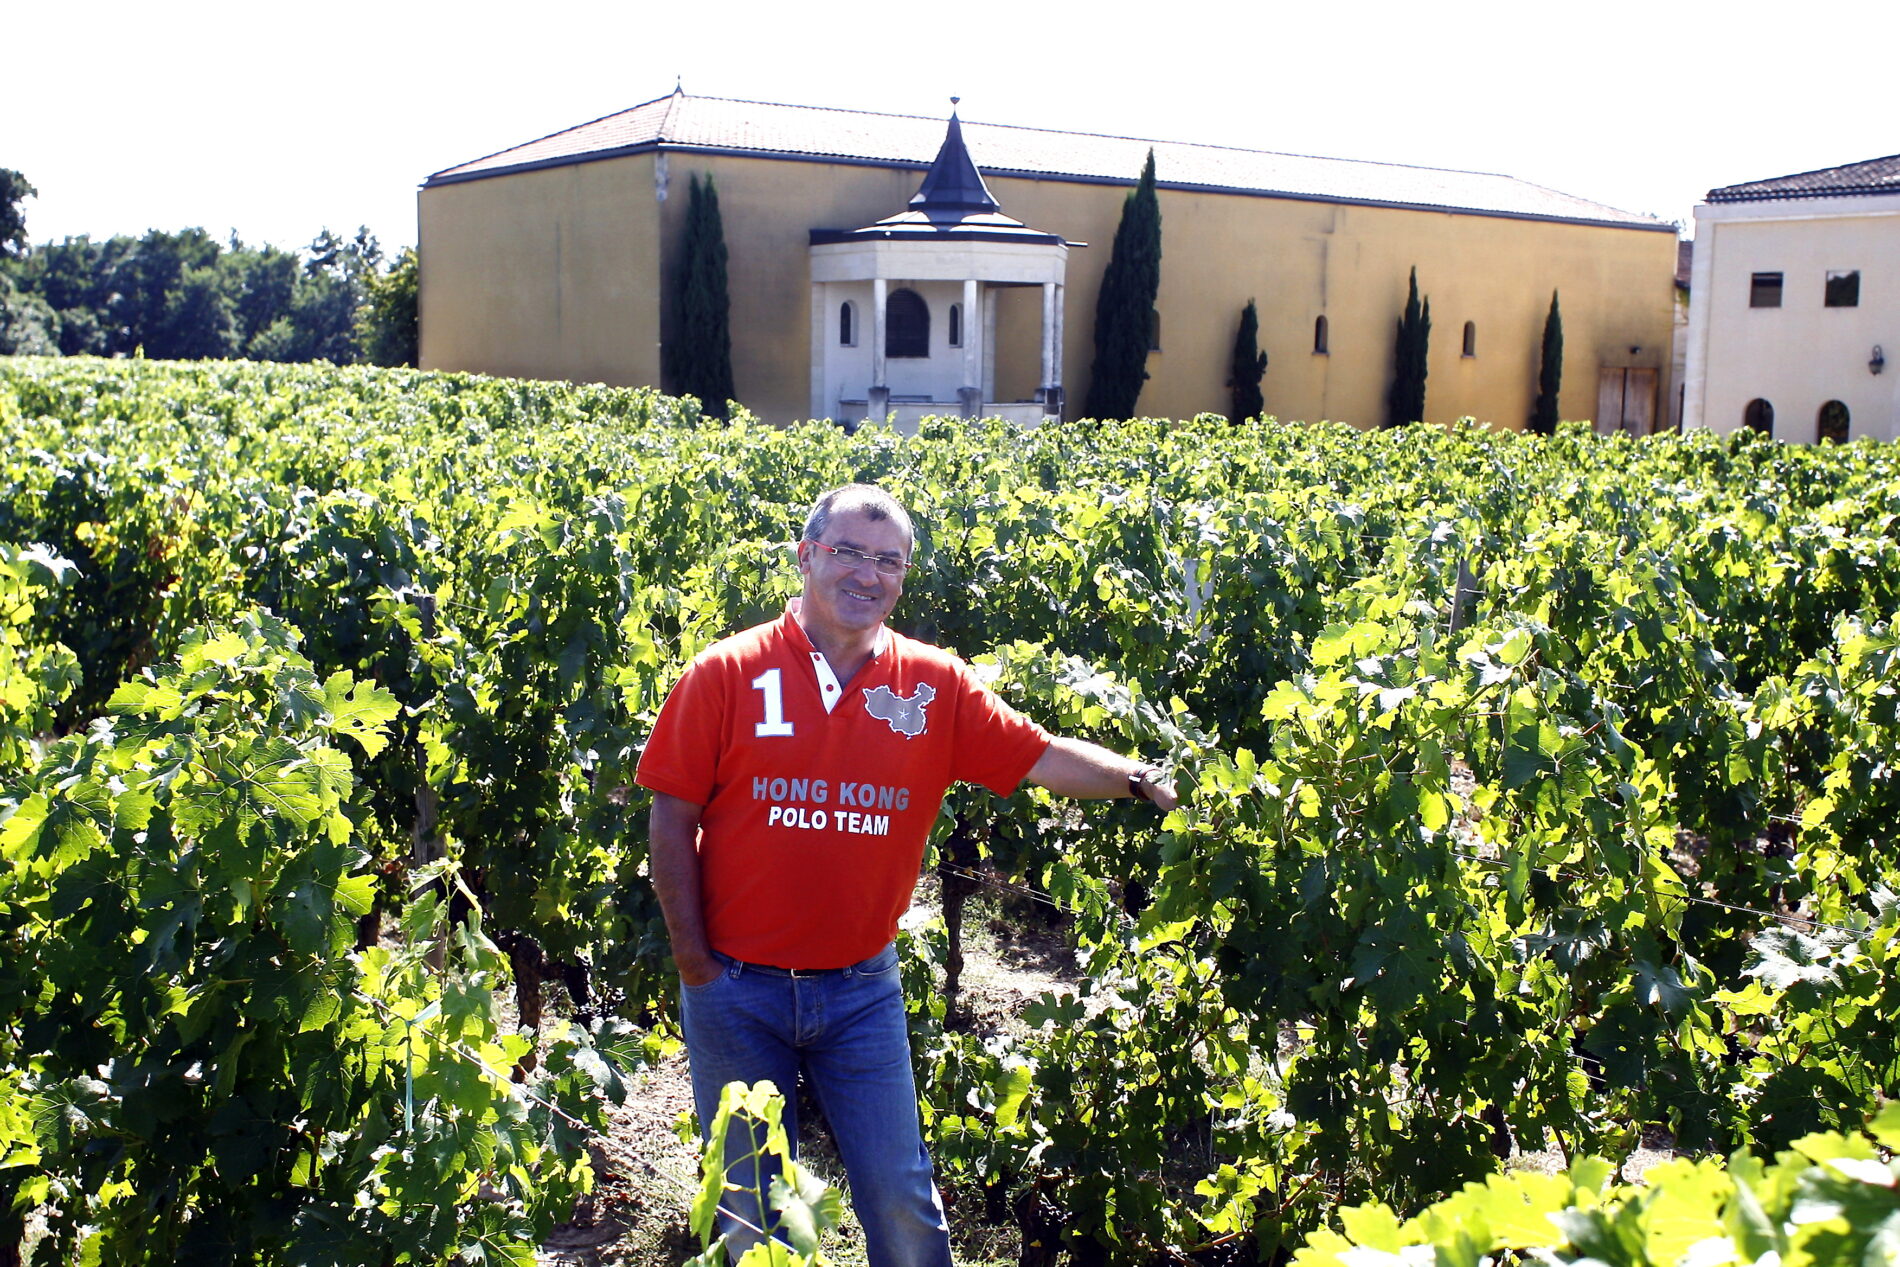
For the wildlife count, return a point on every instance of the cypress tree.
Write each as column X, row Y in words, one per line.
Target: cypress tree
column 698, row 360
column 1249, row 367
column 1405, row 402
column 1550, row 375
column 1125, row 308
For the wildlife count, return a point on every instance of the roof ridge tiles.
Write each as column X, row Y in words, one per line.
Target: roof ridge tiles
column 522, row 145
column 977, row 123
column 673, row 100
column 1865, row 176
column 737, row 125
column 1118, row 136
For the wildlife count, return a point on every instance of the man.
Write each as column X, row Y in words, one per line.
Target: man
column 796, row 770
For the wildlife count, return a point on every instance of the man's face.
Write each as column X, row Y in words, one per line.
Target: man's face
column 846, row 600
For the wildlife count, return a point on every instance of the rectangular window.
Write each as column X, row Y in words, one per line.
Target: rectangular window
column 1843, row 289
column 1764, row 290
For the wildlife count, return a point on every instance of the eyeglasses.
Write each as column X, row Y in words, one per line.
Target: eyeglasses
column 854, row 559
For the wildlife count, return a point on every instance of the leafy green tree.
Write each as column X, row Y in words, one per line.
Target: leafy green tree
column 1125, row 307
column 347, row 258
column 260, row 283
column 67, row 274
column 698, row 355
column 14, row 190
column 387, row 329
column 185, row 296
column 1405, row 401
column 1249, row 367
column 1550, row 374
column 322, row 319
column 324, row 304
column 81, row 333
column 28, row 324
column 71, row 277
column 140, row 278
column 275, row 342
column 199, row 323
column 135, row 288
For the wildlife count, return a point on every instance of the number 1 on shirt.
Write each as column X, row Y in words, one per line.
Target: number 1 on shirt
column 774, row 725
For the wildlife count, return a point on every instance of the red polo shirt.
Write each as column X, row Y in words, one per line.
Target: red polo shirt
column 814, row 819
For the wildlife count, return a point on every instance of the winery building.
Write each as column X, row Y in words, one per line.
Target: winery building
column 1796, row 305
column 884, row 265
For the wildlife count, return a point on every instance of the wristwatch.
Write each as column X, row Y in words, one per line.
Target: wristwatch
column 1138, row 782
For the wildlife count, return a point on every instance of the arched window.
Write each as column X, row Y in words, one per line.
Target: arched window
column 956, row 325
column 1471, row 338
column 1759, row 416
column 847, row 324
column 906, row 324
column 1319, row 336
column 1830, row 425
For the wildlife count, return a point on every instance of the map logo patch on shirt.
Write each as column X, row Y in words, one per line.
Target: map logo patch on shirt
column 906, row 716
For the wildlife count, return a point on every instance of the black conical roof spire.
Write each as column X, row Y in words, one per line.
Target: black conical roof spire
column 952, row 204
column 953, row 184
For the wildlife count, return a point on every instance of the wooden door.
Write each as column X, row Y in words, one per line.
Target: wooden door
column 1639, row 401
column 1626, row 400
column 1609, row 400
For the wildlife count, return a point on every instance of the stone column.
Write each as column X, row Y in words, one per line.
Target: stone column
column 820, row 353
column 989, row 342
column 1051, row 349
column 880, row 393
column 880, row 294
column 973, row 349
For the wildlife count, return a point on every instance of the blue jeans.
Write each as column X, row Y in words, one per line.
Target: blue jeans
column 846, row 1030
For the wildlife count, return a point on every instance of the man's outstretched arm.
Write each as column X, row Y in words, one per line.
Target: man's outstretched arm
column 673, row 855
column 1088, row 771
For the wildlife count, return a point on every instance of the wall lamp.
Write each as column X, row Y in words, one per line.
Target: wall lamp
column 1878, row 361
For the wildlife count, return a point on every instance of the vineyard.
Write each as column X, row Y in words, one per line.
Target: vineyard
column 1542, row 795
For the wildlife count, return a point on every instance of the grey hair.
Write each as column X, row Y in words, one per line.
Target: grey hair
column 867, row 499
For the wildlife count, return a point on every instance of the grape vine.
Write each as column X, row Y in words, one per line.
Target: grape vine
column 1542, row 794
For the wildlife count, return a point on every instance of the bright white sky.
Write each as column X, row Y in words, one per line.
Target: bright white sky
column 276, row 120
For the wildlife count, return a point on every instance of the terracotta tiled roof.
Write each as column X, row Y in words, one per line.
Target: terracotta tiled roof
column 680, row 122
column 1875, row 176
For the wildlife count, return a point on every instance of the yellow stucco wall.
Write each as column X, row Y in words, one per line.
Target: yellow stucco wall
column 1298, row 260
column 547, row 274
column 768, row 209
column 1301, row 260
